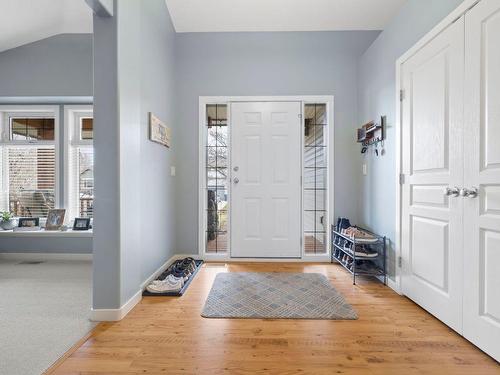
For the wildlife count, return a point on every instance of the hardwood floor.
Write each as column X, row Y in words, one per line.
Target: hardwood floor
column 167, row 335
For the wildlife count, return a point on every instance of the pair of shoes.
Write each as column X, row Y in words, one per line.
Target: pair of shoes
column 342, row 223
column 348, row 246
column 363, row 251
column 346, row 259
column 359, row 235
column 169, row 284
column 338, row 240
column 182, row 268
column 174, row 277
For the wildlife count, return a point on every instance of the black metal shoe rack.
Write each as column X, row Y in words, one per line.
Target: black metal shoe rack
column 378, row 263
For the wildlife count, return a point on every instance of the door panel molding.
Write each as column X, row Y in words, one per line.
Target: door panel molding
column 432, row 136
column 482, row 213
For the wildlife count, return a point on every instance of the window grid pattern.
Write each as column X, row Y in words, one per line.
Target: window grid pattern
column 86, row 181
column 217, row 178
column 29, row 129
column 315, row 179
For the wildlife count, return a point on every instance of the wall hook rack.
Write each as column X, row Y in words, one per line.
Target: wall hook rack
column 371, row 134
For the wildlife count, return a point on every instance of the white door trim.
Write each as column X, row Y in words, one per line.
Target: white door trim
column 304, row 99
column 447, row 21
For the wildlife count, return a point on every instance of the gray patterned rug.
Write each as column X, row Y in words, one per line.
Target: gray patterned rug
column 276, row 295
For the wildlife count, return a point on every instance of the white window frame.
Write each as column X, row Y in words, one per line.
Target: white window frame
column 72, row 139
column 7, row 111
column 202, row 195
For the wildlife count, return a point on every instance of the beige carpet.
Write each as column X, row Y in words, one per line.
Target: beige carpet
column 44, row 311
column 276, row 295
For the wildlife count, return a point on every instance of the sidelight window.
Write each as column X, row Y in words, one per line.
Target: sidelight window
column 217, row 203
column 315, row 178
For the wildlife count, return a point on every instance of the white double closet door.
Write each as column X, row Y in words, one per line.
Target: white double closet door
column 266, row 190
column 451, row 161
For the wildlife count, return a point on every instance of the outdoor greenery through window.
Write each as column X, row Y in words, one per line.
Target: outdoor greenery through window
column 217, row 178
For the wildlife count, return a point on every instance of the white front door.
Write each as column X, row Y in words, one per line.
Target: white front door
column 266, row 171
column 482, row 172
column 432, row 240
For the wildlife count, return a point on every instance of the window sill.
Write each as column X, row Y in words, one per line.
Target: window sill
column 48, row 233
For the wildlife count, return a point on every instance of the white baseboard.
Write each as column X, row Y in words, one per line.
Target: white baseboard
column 37, row 257
column 113, row 315
column 394, row 285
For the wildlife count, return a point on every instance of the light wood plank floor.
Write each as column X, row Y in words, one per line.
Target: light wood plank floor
column 168, row 336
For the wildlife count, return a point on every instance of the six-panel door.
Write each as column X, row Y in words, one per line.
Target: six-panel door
column 266, row 187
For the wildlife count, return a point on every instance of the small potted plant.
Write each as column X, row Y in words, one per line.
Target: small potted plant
column 6, row 220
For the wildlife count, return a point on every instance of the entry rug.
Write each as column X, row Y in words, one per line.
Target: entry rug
column 276, row 295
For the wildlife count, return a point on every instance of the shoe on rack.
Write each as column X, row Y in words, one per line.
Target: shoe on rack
column 363, row 251
column 176, row 269
column 359, row 235
column 188, row 263
column 343, row 224
column 164, row 286
column 175, row 279
column 348, row 247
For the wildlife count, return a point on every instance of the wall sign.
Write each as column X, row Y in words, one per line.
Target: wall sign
column 159, row 132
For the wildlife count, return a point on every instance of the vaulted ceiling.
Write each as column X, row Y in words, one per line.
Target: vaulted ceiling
column 281, row 15
column 26, row 21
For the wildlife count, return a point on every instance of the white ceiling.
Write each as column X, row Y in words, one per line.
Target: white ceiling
column 281, row 15
column 26, row 21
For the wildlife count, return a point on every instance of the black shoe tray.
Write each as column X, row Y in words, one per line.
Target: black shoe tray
column 184, row 288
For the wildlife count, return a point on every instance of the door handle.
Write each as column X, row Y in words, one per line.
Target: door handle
column 472, row 193
column 236, row 180
column 452, row 191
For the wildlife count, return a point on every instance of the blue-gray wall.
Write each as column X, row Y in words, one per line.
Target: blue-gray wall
column 158, row 220
column 377, row 97
column 281, row 63
column 53, row 67
column 106, row 243
column 135, row 202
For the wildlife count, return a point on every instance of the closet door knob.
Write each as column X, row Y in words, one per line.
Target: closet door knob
column 472, row 193
column 452, row 191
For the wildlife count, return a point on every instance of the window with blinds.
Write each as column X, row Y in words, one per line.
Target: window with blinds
column 30, row 178
column 81, row 165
